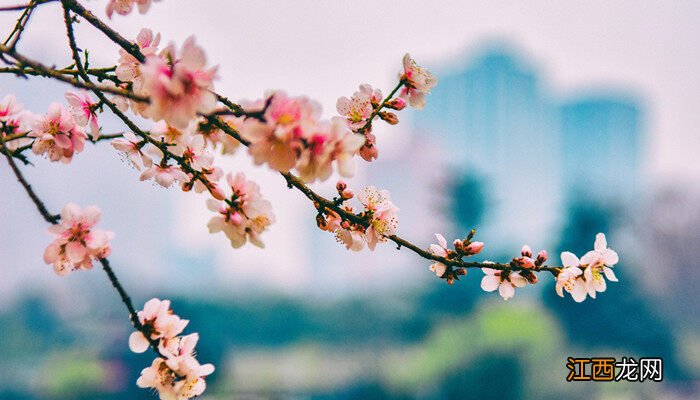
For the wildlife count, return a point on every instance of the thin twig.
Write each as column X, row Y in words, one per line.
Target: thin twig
column 42, row 70
column 50, row 218
column 30, row 5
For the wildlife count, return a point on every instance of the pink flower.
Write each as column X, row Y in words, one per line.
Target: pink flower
column 289, row 128
column 417, row 82
column 124, row 7
column 78, row 242
column 292, row 136
column 133, row 148
column 57, row 135
column 84, row 110
column 327, row 143
column 192, row 148
column 353, row 239
column 158, row 319
column 244, row 216
column 13, row 120
column 369, row 151
column 383, row 215
column 179, row 87
column 9, row 108
column 359, row 107
column 289, row 112
column 164, row 175
column 129, row 70
column 504, row 281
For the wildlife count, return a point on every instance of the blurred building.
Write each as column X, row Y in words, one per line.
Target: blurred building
column 601, row 145
column 497, row 120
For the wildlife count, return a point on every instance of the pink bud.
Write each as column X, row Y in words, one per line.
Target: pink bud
column 474, row 248
column 340, row 186
column 216, row 191
column 347, row 194
column 389, row 117
column 541, row 258
column 526, row 251
column 525, row 262
column 345, row 224
column 397, row 104
column 369, row 151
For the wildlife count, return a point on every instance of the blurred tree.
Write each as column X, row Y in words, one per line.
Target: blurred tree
column 466, row 209
column 467, row 201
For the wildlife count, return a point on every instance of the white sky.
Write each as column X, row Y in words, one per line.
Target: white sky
column 324, row 49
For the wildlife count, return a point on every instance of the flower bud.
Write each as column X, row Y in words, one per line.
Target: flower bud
column 216, row 191
column 340, row 186
column 347, row 194
column 461, row 271
column 321, row 221
column 524, row 262
column 474, row 248
column 450, row 280
column 389, row 117
column 526, row 251
column 541, row 258
column 345, row 224
column 397, row 104
column 369, row 152
column 530, row 276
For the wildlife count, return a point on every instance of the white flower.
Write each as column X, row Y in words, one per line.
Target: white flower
column 570, row 278
column 164, row 175
column 504, row 281
column 418, row 82
column 384, row 219
column 598, row 262
column 132, row 147
column 156, row 318
column 439, row 250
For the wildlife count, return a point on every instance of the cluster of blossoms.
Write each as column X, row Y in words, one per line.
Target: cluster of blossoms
column 290, row 135
column 59, row 134
column 179, row 85
column 507, row 280
column 580, row 278
column 366, row 104
column 374, row 224
column 187, row 148
column 124, row 7
column 175, row 374
column 174, row 88
column 243, row 215
column 78, row 242
column 586, row 276
column 462, row 248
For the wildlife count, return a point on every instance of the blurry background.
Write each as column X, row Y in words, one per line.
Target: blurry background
column 552, row 121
